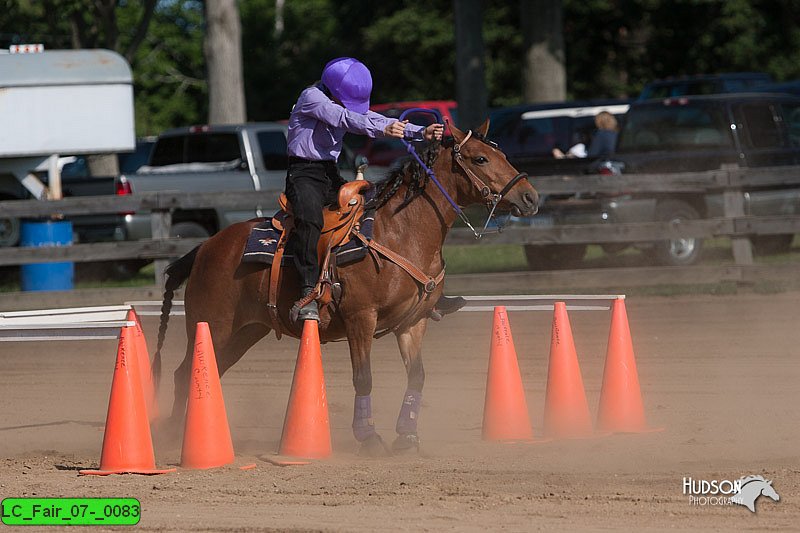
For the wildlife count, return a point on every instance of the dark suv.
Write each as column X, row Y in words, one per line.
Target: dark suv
column 692, row 134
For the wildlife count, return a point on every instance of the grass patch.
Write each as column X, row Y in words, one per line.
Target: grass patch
column 473, row 259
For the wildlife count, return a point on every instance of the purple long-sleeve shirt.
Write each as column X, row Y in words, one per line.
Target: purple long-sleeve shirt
column 317, row 126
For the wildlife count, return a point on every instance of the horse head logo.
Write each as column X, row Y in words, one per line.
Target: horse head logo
column 751, row 488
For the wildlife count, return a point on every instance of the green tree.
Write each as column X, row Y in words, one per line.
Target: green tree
column 169, row 70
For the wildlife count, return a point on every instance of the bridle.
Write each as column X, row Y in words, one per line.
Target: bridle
column 491, row 199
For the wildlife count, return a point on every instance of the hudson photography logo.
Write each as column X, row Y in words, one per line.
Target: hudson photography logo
column 743, row 491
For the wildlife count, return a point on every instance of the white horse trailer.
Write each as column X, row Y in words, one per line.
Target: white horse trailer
column 61, row 102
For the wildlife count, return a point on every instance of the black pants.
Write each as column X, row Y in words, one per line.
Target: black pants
column 310, row 185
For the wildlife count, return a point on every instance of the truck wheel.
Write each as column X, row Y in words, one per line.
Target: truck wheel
column 553, row 256
column 771, row 244
column 189, row 230
column 9, row 231
column 677, row 252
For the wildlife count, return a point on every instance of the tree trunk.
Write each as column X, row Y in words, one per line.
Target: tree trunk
column 223, row 50
column 471, row 90
column 544, row 75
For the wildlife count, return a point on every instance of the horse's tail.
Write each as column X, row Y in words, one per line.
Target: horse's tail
column 177, row 272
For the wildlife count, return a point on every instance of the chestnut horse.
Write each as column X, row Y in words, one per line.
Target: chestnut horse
column 411, row 220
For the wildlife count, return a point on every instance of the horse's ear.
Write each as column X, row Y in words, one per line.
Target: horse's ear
column 769, row 482
column 483, row 129
column 458, row 135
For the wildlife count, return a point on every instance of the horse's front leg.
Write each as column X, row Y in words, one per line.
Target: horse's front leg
column 410, row 343
column 360, row 329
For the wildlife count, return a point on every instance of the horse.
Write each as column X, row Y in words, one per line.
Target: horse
column 751, row 488
column 393, row 289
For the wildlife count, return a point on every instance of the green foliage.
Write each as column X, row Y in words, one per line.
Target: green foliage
column 169, row 69
column 613, row 47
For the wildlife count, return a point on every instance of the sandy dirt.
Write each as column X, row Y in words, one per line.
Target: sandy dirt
column 720, row 373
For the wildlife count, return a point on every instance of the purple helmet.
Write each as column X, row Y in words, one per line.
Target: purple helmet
column 350, row 82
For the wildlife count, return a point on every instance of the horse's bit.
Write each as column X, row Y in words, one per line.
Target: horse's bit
column 491, row 199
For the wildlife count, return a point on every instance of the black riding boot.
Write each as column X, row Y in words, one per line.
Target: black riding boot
column 447, row 305
column 310, row 311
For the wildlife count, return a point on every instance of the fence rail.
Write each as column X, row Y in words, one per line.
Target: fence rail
column 731, row 182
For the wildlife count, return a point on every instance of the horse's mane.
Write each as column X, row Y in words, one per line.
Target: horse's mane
column 417, row 177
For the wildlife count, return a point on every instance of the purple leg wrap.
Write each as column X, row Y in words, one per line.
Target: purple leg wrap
column 363, row 425
column 409, row 413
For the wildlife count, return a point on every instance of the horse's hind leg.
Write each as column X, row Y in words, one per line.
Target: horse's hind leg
column 169, row 431
column 410, row 343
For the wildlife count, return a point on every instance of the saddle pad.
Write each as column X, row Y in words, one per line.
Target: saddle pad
column 263, row 241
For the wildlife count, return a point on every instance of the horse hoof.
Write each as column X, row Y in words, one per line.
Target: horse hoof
column 403, row 443
column 373, row 446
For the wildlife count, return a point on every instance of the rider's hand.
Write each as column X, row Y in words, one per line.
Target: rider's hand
column 434, row 131
column 395, row 129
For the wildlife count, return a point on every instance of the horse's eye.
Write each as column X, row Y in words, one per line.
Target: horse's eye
column 480, row 160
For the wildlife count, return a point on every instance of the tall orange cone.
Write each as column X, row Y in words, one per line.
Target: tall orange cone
column 206, row 437
column 566, row 412
column 143, row 356
column 505, row 411
column 306, row 429
column 127, row 443
column 621, row 408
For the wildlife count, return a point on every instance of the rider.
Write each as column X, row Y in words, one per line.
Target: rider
column 324, row 112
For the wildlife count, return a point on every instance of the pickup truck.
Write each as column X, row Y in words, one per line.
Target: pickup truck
column 689, row 134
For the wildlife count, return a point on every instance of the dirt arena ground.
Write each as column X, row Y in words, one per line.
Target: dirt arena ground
column 720, row 373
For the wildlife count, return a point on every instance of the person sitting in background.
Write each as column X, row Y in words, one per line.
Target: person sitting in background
column 604, row 141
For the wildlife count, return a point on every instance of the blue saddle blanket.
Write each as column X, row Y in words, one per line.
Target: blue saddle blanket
column 263, row 242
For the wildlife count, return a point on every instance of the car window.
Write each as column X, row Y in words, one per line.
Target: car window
column 168, row 151
column 535, row 137
column 212, row 148
column 273, row 149
column 791, row 118
column 421, row 119
column 686, row 127
column 197, row 148
column 761, row 129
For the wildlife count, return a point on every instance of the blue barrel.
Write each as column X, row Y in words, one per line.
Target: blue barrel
column 46, row 276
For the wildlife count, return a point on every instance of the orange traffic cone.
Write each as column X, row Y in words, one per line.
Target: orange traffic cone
column 306, row 430
column 127, row 444
column 505, row 411
column 206, row 437
column 143, row 356
column 566, row 412
column 621, row 408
